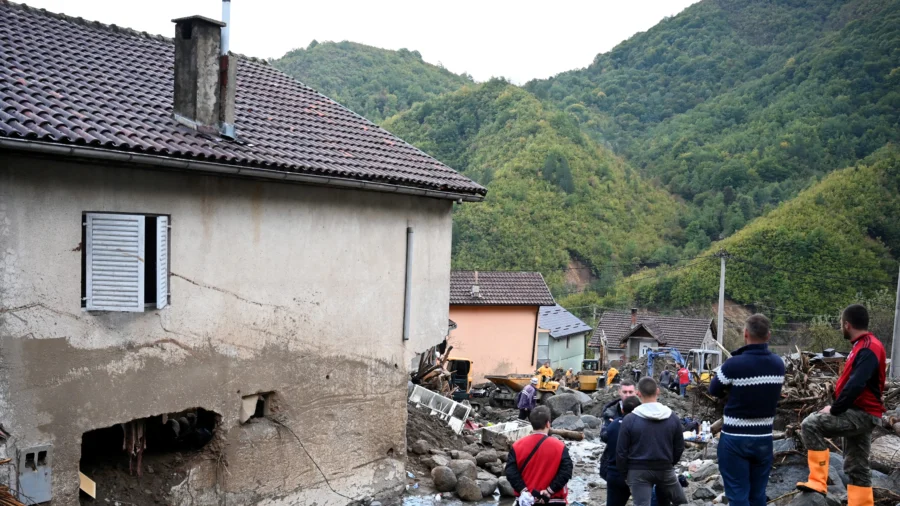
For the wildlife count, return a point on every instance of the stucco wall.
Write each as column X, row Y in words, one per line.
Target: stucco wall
column 499, row 339
column 565, row 357
column 274, row 287
column 634, row 345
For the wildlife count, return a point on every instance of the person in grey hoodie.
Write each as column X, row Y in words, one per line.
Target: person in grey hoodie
column 650, row 444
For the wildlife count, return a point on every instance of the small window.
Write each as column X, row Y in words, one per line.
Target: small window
column 125, row 262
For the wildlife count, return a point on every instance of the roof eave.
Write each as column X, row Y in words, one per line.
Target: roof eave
column 107, row 155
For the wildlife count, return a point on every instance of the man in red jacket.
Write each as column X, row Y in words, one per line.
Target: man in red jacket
column 684, row 379
column 857, row 409
column 539, row 466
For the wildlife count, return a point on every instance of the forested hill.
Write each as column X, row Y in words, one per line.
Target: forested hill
column 818, row 252
column 554, row 198
column 376, row 83
column 737, row 105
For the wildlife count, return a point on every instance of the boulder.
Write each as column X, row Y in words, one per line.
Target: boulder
column 837, row 462
column 470, row 439
column 506, row 489
column 488, row 486
column 591, row 421
column 704, row 471
column 461, row 455
column 464, row 468
column 497, row 469
column 783, row 445
column 568, row 422
column 484, row 475
column 503, row 456
column 485, row 457
column 718, row 484
column 704, row 494
column 592, row 434
column 427, row 462
column 435, row 451
column 581, row 396
column 814, row 499
column 501, row 443
column 473, row 449
column 444, row 479
column 420, row 447
column 560, row 404
column 440, row 460
column 468, row 490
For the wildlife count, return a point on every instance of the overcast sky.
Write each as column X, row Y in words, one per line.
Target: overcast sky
column 520, row 40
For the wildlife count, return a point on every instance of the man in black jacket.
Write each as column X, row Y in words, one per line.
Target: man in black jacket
column 650, row 444
column 611, row 412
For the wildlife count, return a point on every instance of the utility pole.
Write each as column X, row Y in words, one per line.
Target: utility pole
column 720, row 330
column 895, row 344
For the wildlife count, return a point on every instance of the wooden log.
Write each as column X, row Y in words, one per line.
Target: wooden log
column 885, row 454
column 568, row 434
column 716, row 427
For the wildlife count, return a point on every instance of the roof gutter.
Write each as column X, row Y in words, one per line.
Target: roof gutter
column 48, row 148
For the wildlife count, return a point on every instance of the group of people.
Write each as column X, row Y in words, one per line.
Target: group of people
column 680, row 379
column 644, row 439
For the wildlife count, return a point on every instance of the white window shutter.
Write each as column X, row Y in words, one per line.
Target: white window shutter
column 115, row 262
column 162, row 261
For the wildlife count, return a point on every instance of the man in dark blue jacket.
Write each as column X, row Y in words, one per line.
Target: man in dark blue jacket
column 613, row 411
column 617, row 491
column 650, row 443
column 752, row 378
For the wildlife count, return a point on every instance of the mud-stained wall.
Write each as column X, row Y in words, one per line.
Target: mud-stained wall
column 274, row 287
column 498, row 339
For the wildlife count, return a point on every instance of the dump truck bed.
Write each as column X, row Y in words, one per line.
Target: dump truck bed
column 514, row 382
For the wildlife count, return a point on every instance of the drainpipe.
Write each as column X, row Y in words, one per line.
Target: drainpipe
column 408, row 292
column 537, row 317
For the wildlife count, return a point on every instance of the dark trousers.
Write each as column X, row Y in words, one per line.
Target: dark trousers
column 668, row 490
column 523, row 414
column 617, row 491
column 683, row 388
column 745, row 463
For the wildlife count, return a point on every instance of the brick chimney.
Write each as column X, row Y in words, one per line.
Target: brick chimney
column 633, row 317
column 204, row 77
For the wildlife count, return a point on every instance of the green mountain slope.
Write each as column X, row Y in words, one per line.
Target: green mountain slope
column 376, row 83
column 736, row 106
column 813, row 254
column 554, row 196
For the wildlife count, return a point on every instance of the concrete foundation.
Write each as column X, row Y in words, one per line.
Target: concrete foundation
column 274, row 287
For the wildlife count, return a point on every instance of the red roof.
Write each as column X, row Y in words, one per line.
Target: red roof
column 69, row 81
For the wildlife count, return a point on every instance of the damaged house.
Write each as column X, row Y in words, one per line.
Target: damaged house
column 211, row 276
column 628, row 336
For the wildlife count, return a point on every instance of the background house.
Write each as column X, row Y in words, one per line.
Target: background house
column 202, row 244
column 561, row 338
column 497, row 318
column 633, row 333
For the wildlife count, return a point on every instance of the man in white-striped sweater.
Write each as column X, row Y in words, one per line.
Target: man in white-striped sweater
column 752, row 378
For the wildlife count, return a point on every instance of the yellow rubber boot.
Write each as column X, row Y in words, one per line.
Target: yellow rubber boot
column 860, row 496
column 818, row 472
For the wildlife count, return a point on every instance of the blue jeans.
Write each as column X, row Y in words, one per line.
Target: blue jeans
column 683, row 389
column 744, row 463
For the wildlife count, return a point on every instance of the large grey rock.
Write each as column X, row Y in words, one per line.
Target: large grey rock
column 568, row 422
column 581, row 396
column 465, row 468
column 488, row 486
column 444, row 479
column 591, row 421
column 704, row 494
column 420, row 447
column 485, row 457
column 814, row 499
column 560, row 404
column 890, row 482
column 506, row 489
column 783, row 445
column 497, row 469
column 837, row 462
column 440, row 460
column 461, row 455
column 484, row 475
column 473, row 449
column 467, row 489
column 501, row 443
column 705, row 471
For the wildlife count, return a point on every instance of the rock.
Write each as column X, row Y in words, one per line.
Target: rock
column 581, row 396
column 435, row 451
column 473, row 449
column 814, row 499
column 427, row 462
column 488, row 486
column 568, row 422
column 497, row 469
column 718, row 484
column 591, row 421
column 439, row 460
column 464, row 468
column 486, row 457
column 375, row 503
column 444, row 479
column 704, row 494
column 890, row 482
column 503, row 456
column 783, row 445
column 704, row 471
column 420, row 447
column 461, row 455
column 501, row 443
column 483, row 475
column 468, row 490
column 469, row 439
column 592, row 434
column 561, row 403
column 837, row 462
column 506, row 490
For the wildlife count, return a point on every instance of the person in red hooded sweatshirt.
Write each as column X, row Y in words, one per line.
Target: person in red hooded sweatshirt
column 539, row 466
column 856, row 411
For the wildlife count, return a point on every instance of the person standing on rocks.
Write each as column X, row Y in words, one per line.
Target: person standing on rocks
column 613, row 411
column 856, row 411
column 539, row 466
column 752, row 379
column 684, row 379
column 527, row 399
column 617, row 491
column 650, row 443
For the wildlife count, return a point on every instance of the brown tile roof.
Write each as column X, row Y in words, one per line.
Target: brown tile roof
column 70, row 81
column 499, row 288
column 675, row 331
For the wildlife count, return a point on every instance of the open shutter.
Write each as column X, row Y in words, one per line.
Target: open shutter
column 115, row 262
column 162, row 261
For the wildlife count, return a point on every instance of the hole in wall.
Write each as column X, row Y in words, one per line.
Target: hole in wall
column 259, row 405
column 139, row 461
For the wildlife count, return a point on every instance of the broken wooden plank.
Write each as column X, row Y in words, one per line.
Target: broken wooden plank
column 87, row 485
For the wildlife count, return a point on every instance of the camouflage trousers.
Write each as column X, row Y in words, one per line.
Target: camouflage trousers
column 855, row 427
